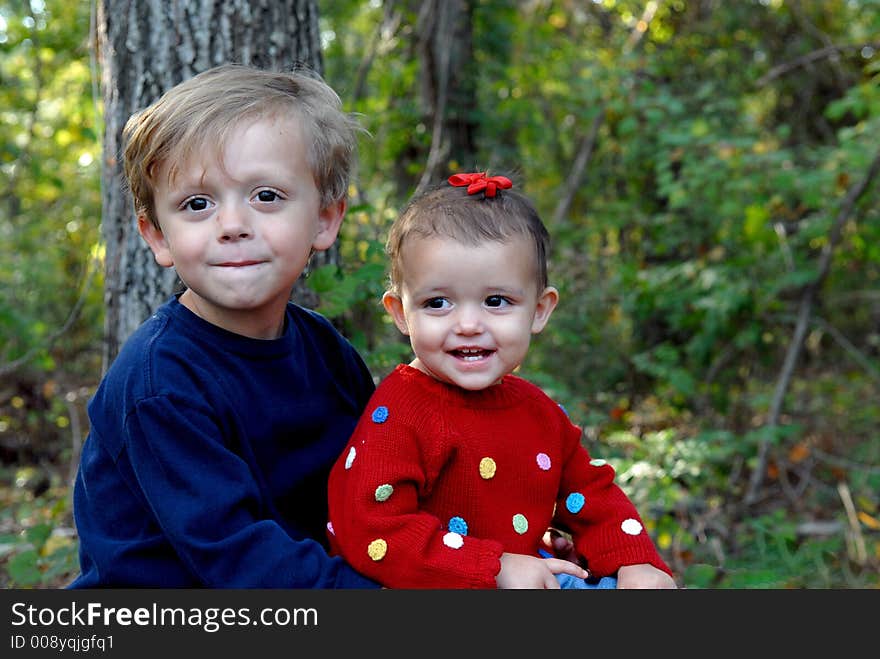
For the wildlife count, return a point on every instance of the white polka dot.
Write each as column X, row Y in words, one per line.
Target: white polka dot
column 350, row 459
column 598, row 462
column 631, row 526
column 330, row 528
column 453, row 540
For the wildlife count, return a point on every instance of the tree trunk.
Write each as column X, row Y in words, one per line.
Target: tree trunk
column 147, row 47
column 448, row 92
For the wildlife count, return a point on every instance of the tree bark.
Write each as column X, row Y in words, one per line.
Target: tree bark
column 448, row 93
column 146, row 48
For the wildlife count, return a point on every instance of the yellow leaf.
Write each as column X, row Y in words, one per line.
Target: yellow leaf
column 867, row 520
column 664, row 541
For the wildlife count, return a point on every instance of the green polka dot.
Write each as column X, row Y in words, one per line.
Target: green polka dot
column 383, row 492
column 520, row 523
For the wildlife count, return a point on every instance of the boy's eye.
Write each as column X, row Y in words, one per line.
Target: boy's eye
column 436, row 303
column 196, row 204
column 496, row 301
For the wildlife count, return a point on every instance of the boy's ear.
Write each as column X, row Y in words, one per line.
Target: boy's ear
column 547, row 301
column 329, row 221
column 394, row 306
column 156, row 240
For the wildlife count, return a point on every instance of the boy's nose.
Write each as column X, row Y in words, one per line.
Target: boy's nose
column 234, row 225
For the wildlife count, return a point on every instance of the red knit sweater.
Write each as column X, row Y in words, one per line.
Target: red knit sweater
column 436, row 482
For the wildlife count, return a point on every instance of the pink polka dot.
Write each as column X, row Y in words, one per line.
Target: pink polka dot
column 543, row 461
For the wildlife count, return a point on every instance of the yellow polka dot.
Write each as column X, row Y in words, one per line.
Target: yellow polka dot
column 377, row 549
column 487, row 468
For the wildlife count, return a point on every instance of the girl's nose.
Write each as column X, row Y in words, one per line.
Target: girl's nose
column 468, row 321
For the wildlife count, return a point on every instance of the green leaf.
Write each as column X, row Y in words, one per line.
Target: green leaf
column 37, row 535
column 23, row 568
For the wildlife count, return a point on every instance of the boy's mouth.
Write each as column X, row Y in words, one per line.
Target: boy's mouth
column 238, row 264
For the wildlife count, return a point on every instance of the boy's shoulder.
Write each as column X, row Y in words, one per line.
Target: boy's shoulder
column 313, row 320
column 324, row 335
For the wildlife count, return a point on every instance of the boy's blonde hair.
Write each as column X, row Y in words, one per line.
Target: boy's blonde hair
column 200, row 113
column 471, row 219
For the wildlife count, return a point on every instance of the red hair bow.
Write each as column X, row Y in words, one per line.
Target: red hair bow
column 479, row 182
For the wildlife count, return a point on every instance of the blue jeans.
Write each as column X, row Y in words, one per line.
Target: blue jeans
column 570, row 582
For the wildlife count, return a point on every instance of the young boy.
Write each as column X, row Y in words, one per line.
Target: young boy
column 214, row 430
column 458, row 467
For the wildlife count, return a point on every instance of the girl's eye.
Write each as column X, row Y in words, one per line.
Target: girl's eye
column 496, row 301
column 196, row 204
column 267, row 195
column 436, row 303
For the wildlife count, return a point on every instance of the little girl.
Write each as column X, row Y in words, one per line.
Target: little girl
column 457, row 467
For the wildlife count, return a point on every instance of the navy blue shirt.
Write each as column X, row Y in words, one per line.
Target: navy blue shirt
column 208, row 455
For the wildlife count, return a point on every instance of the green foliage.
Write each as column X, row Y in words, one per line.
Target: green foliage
column 727, row 142
column 38, row 548
column 49, row 186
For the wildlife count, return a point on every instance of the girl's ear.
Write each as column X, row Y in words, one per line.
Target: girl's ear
column 394, row 306
column 547, row 301
column 329, row 221
column 156, row 240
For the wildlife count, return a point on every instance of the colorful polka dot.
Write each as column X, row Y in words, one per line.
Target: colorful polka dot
column 383, row 492
column 543, row 461
column 487, row 468
column 562, row 407
column 380, row 414
column 574, row 502
column 598, row 462
column 453, row 540
column 520, row 523
column 377, row 549
column 330, row 528
column 631, row 526
column 349, row 460
column 457, row 525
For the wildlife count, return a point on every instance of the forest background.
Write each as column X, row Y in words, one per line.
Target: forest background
column 708, row 171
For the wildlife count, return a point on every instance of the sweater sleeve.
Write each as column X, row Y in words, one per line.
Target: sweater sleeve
column 604, row 523
column 376, row 522
column 207, row 502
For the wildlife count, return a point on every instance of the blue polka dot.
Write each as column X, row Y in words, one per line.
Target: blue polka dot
column 380, row 414
column 457, row 525
column 574, row 502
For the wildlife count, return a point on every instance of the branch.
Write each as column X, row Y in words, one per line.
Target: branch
column 573, row 182
column 439, row 148
column 814, row 56
column 857, row 355
column 387, row 29
column 803, row 319
column 10, row 367
column 635, row 36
